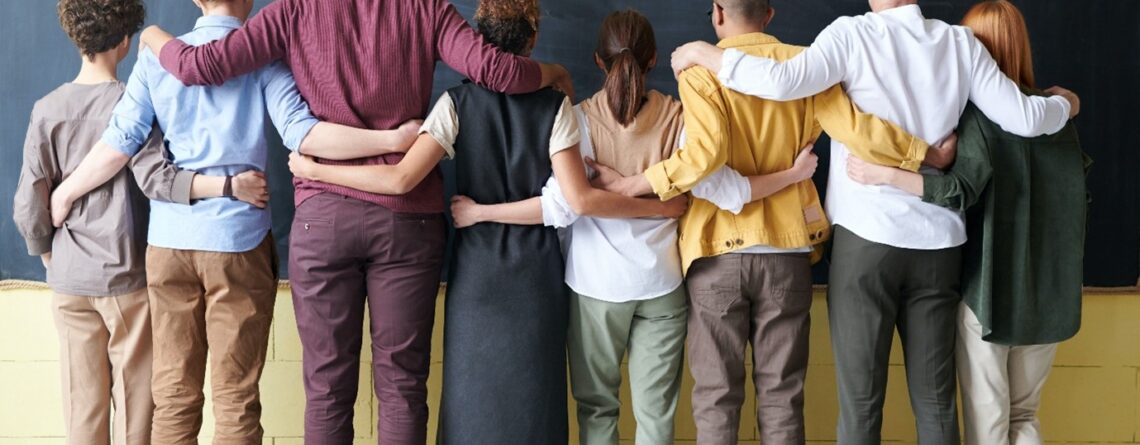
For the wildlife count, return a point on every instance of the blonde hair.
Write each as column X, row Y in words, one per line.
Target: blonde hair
column 999, row 25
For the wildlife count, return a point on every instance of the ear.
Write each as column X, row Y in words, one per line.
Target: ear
column 771, row 15
column 598, row 61
column 718, row 15
column 652, row 64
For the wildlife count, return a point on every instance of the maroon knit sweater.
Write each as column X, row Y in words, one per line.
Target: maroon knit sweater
column 364, row 63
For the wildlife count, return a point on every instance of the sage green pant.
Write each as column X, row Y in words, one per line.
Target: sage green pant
column 653, row 332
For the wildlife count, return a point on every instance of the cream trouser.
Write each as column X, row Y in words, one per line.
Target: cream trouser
column 1001, row 386
column 105, row 363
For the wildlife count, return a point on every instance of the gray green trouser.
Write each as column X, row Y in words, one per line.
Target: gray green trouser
column 600, row 333
column 737, row 299
column 874, row 289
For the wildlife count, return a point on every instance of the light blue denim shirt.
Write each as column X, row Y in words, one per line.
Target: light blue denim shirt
column 216, row 131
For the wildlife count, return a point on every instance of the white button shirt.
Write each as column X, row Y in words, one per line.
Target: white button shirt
column 915, row 72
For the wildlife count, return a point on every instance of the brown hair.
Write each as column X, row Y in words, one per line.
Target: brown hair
column 626, row 46
column 97, row 26
column 508, row 24
column 999, row 25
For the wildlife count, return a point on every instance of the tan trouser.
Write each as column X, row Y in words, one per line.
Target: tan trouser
column 217, row 302
column 736, row 299
column 1001, row 386
column 105, row 357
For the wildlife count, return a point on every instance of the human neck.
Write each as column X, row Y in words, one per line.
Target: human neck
column 738, row 29
column 101, row 68
column 892, row 4
column 226, row 9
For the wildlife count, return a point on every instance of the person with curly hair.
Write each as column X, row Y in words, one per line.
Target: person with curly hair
column 504, row 373
column 212, row 265
column 94, row 260
column 368, row 64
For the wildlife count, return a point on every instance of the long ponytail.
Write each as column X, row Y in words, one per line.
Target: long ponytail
column 627, row 47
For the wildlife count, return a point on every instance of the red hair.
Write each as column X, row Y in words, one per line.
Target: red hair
column 999, row 25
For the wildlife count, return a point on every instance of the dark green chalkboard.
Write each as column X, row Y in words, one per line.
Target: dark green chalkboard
column 1091, row 46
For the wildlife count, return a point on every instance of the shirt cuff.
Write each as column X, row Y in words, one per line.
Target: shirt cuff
column 180, row 191
column 448, row 147
column 915, row 154
column 298, row 132
column 660, row 182
column 934, row 188
column 39, row 246
column 728, row 61
column 1067, row 109
column 121, row 143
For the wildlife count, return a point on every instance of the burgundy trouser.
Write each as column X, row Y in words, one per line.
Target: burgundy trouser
column 344, row 252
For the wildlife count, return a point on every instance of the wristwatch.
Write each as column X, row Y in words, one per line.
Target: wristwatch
column 228, row 188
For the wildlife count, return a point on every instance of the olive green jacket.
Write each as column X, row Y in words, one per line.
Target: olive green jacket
column 1026, row 205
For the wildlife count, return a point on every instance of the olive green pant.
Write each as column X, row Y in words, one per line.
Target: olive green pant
column 653, row 332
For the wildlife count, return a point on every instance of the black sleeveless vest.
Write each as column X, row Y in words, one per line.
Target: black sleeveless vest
column 507, row 307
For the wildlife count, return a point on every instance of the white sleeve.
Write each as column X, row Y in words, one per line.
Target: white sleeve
column 442, row 124
column 556, row 211
column 817, row 68
column 725, row 188
column 565, row 133
column 1002, row 101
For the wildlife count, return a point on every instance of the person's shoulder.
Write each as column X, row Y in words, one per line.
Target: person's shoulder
column 47, row 105
column 668, row 104
column 72, row 101
column 699, row 79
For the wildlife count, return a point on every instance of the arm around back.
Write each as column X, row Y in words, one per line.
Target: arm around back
column 262, row 39
column 706, row 136
column 465, row 51
column 966, row 181
column 1000, row 99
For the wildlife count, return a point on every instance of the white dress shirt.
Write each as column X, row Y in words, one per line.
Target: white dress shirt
column 915, row 72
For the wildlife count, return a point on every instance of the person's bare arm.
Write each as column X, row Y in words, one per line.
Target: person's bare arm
column 395, row 179
column 341, row 142
column 465, row 212
column 804, row 167
column 250, row 187
column 586, row 200
column 867, row 173
column 99, row 166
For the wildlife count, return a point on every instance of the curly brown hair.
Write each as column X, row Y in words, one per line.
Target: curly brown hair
column 99, row 25
column 508, row 24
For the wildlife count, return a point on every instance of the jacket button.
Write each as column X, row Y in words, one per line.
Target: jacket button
column 739, row 242
column 811, row 237
column 728, row 244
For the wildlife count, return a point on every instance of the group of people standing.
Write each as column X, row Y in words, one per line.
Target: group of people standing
column 632, row 224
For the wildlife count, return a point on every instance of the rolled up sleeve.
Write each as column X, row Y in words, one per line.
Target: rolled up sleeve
column 706, row 130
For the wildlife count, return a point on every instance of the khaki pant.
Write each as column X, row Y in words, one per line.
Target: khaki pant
column 653, row 332
column 1001, row 386
column 217, row 302
column 738, row 299
column 105, row 359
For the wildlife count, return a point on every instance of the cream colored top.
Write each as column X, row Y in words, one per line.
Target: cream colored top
column 442, row 124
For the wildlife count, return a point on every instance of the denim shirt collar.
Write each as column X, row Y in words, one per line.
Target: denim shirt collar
column 217, row 21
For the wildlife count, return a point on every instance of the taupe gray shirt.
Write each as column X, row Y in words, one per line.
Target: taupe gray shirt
column 100, row 250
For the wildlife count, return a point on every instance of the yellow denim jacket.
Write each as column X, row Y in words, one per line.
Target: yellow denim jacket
column 758, row 137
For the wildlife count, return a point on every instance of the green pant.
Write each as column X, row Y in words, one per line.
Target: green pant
column 600, row 333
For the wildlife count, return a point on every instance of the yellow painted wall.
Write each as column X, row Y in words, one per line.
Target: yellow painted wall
column 1093, row 394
